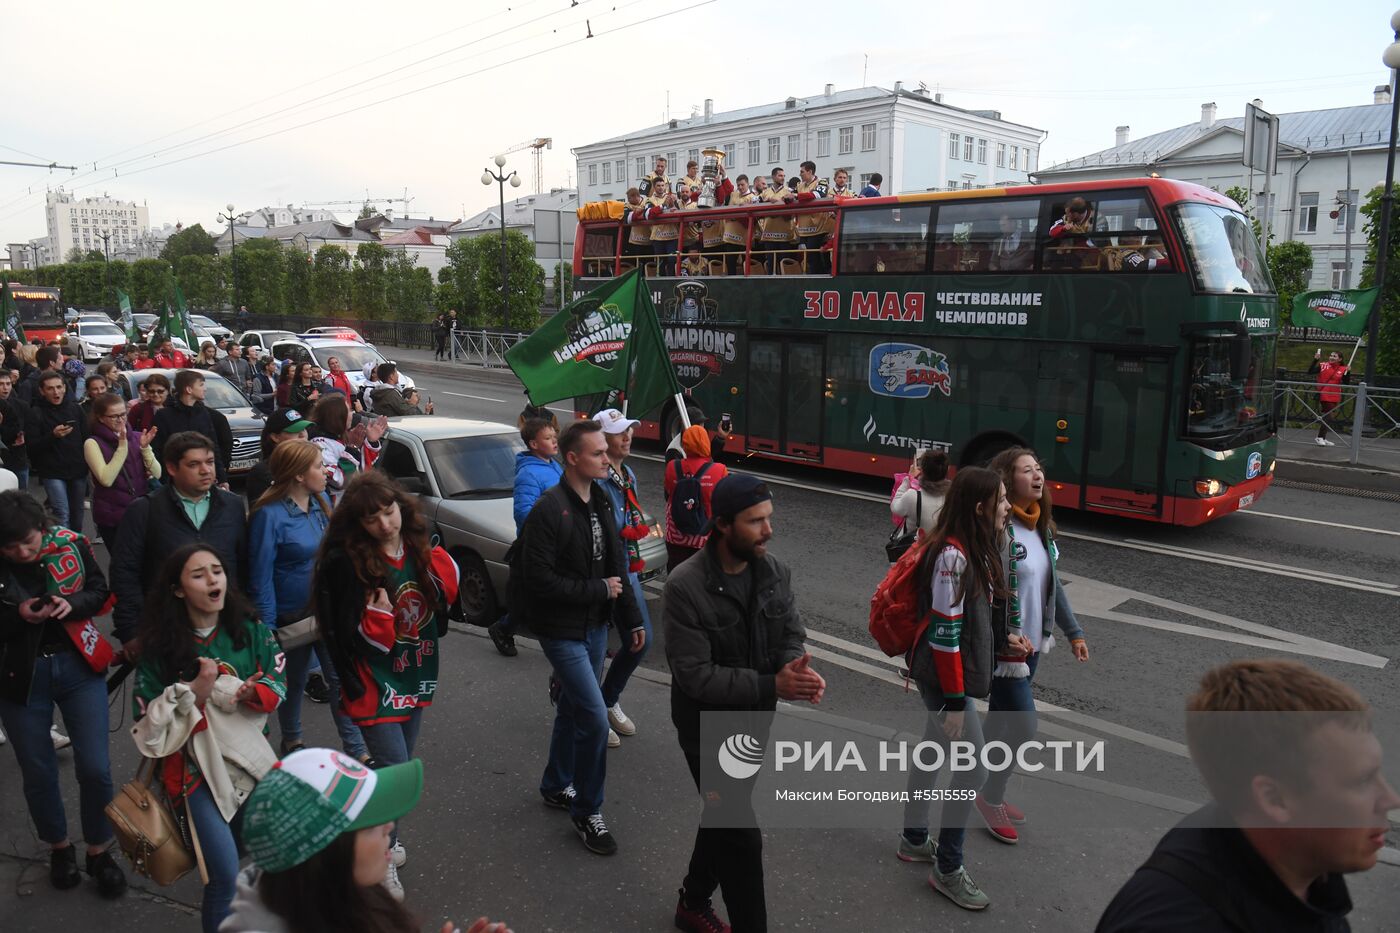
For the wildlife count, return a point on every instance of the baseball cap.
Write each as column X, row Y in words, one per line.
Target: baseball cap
column 614, row 421
column 735, row 493
column 286, row 421
column 314, row 795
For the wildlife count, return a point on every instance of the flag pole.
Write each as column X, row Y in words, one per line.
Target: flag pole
column 1353, row 353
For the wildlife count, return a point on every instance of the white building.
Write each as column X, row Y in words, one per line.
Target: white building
column 1317, row 150
column 282, row 216
column 427, row 246
column 548, row 220
column 911, row 137
column 84, row 222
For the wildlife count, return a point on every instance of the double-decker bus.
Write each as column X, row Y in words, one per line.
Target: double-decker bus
column 40, row 310
column 1131, row 344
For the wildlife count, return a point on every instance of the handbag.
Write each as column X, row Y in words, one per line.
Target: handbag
column 298, row 634
column 146, row 828
column 903, row 537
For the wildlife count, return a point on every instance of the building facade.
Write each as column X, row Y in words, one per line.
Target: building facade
column 84, row 222
column 911, row 137
column 1327, row 161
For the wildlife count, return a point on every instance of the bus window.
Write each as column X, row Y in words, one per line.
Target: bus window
column 1222, row 251
column 599, row 245
column 1112, row 234
column 986, row 236
column 1226, row 407
column 884, row 240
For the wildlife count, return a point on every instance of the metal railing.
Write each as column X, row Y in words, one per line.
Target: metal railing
column 483, row 348
column 1302, row 417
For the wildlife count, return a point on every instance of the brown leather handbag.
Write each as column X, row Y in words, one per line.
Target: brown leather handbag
column 147, row 830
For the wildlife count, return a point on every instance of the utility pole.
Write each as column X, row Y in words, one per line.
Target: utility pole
column 106, row 239
column 500, row 179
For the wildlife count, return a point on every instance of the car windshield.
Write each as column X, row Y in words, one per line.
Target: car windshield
column 482, row 466
column 1222, row 250
column 352, row 356
column 101, row 330
column 1229, row 396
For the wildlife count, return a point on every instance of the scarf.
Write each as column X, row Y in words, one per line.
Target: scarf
column 1009, row 665
column 1029, row 515
column 634, row 527
column 62, row 562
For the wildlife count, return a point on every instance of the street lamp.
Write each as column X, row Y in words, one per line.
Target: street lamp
column 1391, row 58
column 232, row 254
column 487, row 177
column 106, row 238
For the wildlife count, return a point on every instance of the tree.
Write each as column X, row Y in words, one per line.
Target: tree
column 368, row 280
column 330, row 280
column 148, row 278
column 473, row 277
column 1388, row 303
column 366, row 211
column 1290, row 266
column 563, row 283
column 296, row 281
column 260, row 270
column 408, row 288
column 74, row 255
column 457, row 279
column 201, row 279
column 191, row 241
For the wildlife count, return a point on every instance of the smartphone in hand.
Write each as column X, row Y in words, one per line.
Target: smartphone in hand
column 726, row 422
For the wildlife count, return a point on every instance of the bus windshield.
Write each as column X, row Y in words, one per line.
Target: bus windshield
column 1229, row 394
column 1222, row 251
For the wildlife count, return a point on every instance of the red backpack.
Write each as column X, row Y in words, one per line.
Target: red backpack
column 896, row 622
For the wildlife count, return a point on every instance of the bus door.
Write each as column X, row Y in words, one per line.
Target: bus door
column 786, row 376
column 1129, row 407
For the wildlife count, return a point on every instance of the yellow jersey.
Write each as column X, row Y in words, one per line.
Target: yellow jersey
column 776, row 229
column 812, row 224
column 736, row 231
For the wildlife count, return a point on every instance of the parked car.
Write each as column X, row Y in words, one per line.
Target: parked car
column 144, row 321
column 463, row 473
column 95, row 339
column 339, row 333
column 263, row 339
column 213, row 327
column 353, row 357
column 244, row 421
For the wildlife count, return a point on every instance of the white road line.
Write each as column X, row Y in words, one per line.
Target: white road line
column 480, row 398
column 1318, row 521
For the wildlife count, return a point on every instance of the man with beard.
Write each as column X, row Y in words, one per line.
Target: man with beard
column 734, row 641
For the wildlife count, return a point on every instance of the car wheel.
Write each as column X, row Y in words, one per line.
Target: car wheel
column 475, row 593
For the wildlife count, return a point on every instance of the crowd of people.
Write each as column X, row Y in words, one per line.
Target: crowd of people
column 227, row 609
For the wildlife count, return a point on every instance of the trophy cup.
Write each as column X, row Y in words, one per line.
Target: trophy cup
column 709, row 172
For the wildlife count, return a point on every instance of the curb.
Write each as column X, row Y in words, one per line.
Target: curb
column 1342, row 478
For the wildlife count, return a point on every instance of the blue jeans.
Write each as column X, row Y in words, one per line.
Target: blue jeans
column 578, row 747
column 220, row 850
column 67, row 681
column 66, row 501
column 625, row 662
column 23, row 477
column 391, row 743
column 289, row 711
column 953, row 822
column 1010, row 696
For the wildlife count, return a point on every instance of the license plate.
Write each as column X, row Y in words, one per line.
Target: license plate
column 243, row 464
column 1246, row 501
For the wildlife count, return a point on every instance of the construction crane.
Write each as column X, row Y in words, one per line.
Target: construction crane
column 405, row 200
column 539, row 145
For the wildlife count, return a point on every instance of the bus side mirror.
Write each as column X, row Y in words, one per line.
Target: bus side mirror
column 1240, row 354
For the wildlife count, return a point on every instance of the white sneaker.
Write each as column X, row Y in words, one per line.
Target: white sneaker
column 398, row 854
column 59, row 739
column 1328, row 442
column 614, row 740
column 619, row 721
column 392, row 884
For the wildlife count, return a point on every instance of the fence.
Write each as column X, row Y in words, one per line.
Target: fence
column 1302, row 417
column 483, row 348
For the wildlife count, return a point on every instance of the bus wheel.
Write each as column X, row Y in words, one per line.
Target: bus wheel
column 475, row 592
column 980, row 451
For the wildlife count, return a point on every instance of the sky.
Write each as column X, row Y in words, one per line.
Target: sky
column 187, row 108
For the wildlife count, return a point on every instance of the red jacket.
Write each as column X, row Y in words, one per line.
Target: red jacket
column 672, row 476
column 342, row 382
column 1329, row 377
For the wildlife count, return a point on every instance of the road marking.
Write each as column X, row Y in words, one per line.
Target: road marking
column 1318, row 521
column 481, row 398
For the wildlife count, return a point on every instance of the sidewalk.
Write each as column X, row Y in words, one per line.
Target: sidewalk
column 482, row 842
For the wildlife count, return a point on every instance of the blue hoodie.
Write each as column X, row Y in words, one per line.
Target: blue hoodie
column 533, row 475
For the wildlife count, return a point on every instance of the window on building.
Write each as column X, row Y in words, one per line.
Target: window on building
column 867, row 137
column 954, row 145
column 728, row 153
column 775, row 149
column 1307, row 212
column 754, row 153
column 982, row 151
column 1346, row 211
column 794, row 147
column 1014, row 150
column 642, row 167
column 694, row 157
column 593, row 173
column 621, row 171
column 1001, row 155
column 823, row 143
column 846, row 140
column 884, row 240
column 607, row 173
column 967, row 148
column 1339, row 275
column 1026, row 165
column 864, row 180
column 952, row 184
column 967, row 184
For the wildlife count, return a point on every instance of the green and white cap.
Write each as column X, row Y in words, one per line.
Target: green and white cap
column 314, row 795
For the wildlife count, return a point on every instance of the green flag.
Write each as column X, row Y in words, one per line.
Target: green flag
column 9, row 314
column 1342, row 312
column 606, row 340
column 174, row 319
column 133, row 333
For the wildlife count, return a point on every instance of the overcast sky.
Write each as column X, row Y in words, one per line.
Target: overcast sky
column 137, row 87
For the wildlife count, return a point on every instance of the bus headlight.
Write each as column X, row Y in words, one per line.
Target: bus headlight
column 1209, row 488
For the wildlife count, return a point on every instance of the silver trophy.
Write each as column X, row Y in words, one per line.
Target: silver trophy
column 709, row 174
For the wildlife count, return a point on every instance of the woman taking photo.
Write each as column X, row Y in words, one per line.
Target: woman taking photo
column 304, row 392
column 120, row 460
column 349, row 442
column 920, row 495
column 382, row 593
column 1038, row 605
column 960, row 570
column 50, row 655
column 206, row 660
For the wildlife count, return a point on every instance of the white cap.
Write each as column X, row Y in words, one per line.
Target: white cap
column 614, row 421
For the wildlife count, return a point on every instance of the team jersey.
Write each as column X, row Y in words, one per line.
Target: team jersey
column 648, row 182
column 640, row 235
column 400, row 673
column 776, row 229
column 692, row 231
column 666, row 233
column 737, row 231
column 812, row 224
column 691, row 182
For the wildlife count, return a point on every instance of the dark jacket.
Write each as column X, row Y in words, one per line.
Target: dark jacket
column 725, row 655
column 154, row 526
column 1211, row 880
column 19, row 640
column 56, row 457
column 15, row 413
column 568, row 594
column 264, row 393
column 28, row 387
column 175, row 417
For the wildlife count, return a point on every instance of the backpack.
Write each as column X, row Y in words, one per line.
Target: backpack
column 898, row 618
column 688, row 513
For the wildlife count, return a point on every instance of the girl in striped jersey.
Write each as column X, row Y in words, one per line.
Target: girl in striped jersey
column 952, row 661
